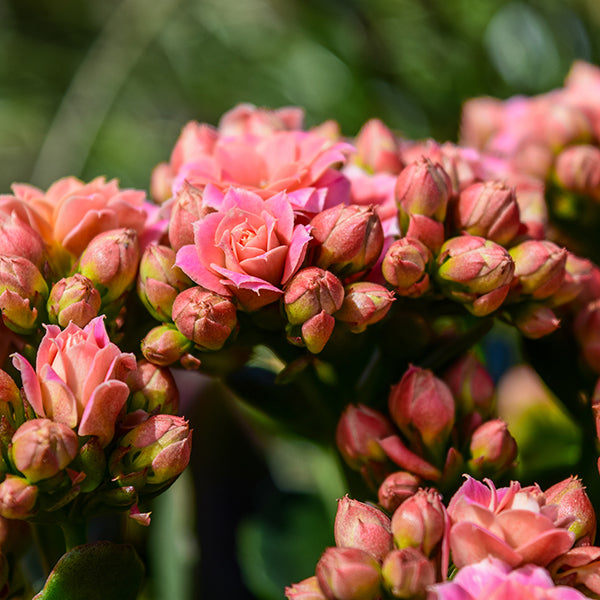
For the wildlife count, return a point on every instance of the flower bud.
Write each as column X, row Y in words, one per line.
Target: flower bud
column 493, row 449
column 396, row 488
column 420, row 522
column 427, row 231
column 204, row 317
column 165, row 345
column 573, row 503
column 19, row 239
column 350, row 239
column 476, row 272
column 365, row 303
column 360, row 525
column 91, row 460
column 578, row 568
column 153, row 389
column 307, row 589
column 348, row 574
column 160, row 281
column 422, row 403
column 41, row 448
column 111, row 261
column 73, row 299
column 357, row 435
column 579, row 273
column 11, row 403
column 188, row 207
column 471, row 385
column 17, row 498
column 423, row 188
column 377, row 148
column 534, row 320
column 481, row 118
column 160, row 447
column 311, row 291
column 407, row 573
column 405, row 266
column 23, row 293
column 488, row 209
column 539, row 268
column 315, row 332
column 578, row 169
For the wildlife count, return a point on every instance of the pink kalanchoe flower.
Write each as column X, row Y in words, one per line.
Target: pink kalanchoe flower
column 495, row 580
column 249, row 248
column 248, row 118
column 377, row 148
column 513, row 524
column 79, row 378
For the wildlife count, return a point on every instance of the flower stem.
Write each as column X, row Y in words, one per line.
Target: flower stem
column 75, row 534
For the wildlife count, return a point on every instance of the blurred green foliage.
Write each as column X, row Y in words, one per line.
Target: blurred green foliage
column 104, row 87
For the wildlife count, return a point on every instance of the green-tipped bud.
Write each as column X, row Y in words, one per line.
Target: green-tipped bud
column 165, row 345
column 493, row 449
column 73, row 299
column 365, row 303
column 17, row 498
column 11, row 404
column 153, row 389
column 405, row 266
column 407, row 573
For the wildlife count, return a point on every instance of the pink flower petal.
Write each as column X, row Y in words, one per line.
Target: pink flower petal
column 546, row 546
column 31, row 384
column 60, row 403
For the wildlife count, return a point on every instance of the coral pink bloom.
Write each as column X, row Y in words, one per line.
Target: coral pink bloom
column 79, row 378
column 76, row 212
column 493, row 579
column 513, row 524
column 298, row 162
column 247, row 118
column 249, row 248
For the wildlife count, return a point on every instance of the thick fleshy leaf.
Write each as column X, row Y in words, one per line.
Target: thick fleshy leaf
column 95, row 572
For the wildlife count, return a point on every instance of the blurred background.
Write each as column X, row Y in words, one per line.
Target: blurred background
column 92, row 88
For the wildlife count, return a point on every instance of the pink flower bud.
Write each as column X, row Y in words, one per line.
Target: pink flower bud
column 350, row 239
column 153, row 389
column 426, row 230
column 206, row 318
column 17, row 498
column 348, row 574
column 480, row 119
column 476, row 272
column 493, row 449
column 23, row 293
column 11, row 403
column 365, row 303
column 579, row 273
column 471, row 385
column 360, row 525
column 111, row 261
column 423, row 188
column 534, row 320
column 311, row 291
column 73, row 299
column 377, row 148
column 17, row 238
column 165, row 345
column 405, row 266
column 160, row 447
column 488, row 209
column 396, row 488
column 539, row 268
column 422, row 403
column 420, row 522
column 578, row 169
column 358, row 433
column 307, row 589
column 160, row 281
column 573, row 503
column 188, row 207
column 407, row 573
column 42, row 448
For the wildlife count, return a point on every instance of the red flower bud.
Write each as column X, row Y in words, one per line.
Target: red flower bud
column 73, row 299
column 350, row 239
column 307, row 589
column 405, row 266
column 534, row 320
column 365, row 303
column 206, row 318
column 317, row 331
column 165, row 345
column 396, row 488
column 488, row 209
column 17, row 498
column 578, row 169
column 493, row 449
column 19, row 239
column 348, row 574
column 426, row 230
column 188, row 207
column 407, row 573
column 377, row 148
column 153, row 389
column 360, row 525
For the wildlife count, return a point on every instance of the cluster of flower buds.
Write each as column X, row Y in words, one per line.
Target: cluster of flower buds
column 70, row 253
column 91, row 431
column 514, row 539
column 436, row 429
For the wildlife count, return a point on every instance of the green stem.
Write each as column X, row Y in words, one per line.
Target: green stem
column 75, row 534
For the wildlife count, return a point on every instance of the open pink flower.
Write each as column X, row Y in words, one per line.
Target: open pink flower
column 513, row 524
column 249, row 248
column 495, row 580
column 79, row 378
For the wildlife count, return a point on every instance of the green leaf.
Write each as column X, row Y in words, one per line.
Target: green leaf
column 95, row 572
